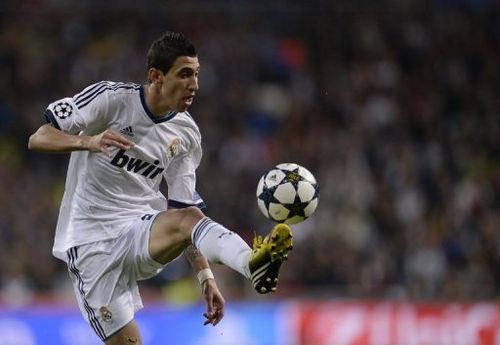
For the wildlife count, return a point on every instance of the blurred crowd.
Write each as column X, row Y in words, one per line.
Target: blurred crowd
column 395, row 110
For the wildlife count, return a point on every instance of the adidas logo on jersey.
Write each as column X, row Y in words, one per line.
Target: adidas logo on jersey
column 127, row 131
column 138, row 166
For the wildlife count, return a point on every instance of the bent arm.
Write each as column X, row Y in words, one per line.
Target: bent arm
column 50, row 139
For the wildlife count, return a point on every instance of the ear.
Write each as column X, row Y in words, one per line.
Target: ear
column 155, row 76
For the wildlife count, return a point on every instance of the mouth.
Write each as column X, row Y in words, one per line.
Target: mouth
column 188, row 100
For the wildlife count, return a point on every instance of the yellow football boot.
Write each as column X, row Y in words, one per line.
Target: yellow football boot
column 267, row 256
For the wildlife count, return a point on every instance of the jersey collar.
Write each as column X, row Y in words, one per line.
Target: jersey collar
column 156, row 119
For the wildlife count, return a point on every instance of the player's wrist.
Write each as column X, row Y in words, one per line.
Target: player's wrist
column 84, row 142
column 205, row 274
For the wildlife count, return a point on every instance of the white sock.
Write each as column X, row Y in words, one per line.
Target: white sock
column 221, row 245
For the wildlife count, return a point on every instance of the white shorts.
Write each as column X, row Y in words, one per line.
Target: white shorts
column 105, row 275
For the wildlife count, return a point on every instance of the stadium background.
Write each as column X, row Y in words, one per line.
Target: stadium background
column 393, row 106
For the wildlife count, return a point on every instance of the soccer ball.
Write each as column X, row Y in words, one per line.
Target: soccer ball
column 288, row 193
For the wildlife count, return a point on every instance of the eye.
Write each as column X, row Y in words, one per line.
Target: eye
column 186, row 73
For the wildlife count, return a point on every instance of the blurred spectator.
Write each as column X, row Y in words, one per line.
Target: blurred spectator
column 394, row 109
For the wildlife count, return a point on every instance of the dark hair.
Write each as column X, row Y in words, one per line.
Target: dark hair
column 166, row 49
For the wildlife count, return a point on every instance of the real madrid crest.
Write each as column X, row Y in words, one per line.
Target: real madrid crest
column 173, row 148
column 106, row 314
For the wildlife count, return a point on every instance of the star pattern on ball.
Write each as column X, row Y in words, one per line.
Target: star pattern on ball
column 267, row 196
column 287, row 193
column 297, row 208
column 292, row 176
column 316, row 192
column 63, row 110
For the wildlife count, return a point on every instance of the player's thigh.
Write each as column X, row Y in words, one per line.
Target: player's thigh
column 128, row 335
column 171, row 232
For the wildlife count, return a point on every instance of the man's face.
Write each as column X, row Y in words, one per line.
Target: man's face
column 180, row 83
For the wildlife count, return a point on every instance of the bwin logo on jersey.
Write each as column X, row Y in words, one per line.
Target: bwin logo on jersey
column 150, row 170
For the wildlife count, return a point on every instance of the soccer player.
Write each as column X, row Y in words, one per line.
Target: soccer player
column 115, row 227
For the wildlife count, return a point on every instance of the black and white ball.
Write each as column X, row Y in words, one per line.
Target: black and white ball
column 288, row 193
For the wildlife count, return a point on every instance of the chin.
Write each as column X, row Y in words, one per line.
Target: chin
column 183, row 107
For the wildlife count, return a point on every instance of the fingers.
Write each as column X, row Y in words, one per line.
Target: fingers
column 104, row 149
column 214, row 314
column 112, row 138
column 210, row 314
column 218, row 316
column 209, row 319
column 215, row 303
column 109, row 138
column 213, row 318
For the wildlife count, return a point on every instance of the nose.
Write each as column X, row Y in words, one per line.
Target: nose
column 193, row 84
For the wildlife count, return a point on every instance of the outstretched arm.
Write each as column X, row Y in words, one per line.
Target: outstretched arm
column 50, row 139
column 213, row 297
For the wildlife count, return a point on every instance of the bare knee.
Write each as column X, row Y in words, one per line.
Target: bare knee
column 180, row 222
column 171, row 233
column 190, row 216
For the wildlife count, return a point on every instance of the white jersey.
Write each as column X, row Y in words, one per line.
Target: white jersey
column 103, row 193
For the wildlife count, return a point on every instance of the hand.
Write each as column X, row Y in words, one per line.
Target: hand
column 215, row 302
column 101, row 142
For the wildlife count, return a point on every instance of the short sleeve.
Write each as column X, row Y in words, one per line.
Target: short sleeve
column 181, row 179
column 85, row 111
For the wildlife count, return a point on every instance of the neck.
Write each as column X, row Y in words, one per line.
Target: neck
column 153, row 101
